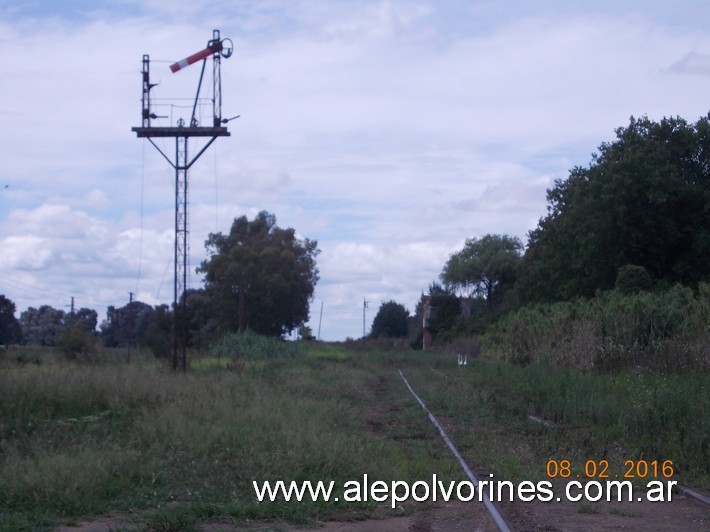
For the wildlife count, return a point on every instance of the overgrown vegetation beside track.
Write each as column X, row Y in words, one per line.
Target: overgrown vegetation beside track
column 173, row 450
column 663, row 331
column 169, row 451
column 590, row 417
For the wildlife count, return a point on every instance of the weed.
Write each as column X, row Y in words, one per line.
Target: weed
column 176, row 450
column 613, row 417
column 78, row 440
column 253, row 346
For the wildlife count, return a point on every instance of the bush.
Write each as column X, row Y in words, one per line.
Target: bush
column 632, row 279
column 77, row 343
column 391, row 321
column 158, row 340
column 250, row 345
column 306, row 333
column 664, row 331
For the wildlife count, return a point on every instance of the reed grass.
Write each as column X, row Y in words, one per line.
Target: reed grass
column 666, row 331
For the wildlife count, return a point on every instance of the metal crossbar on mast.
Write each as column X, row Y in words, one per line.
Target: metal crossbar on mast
column 217, row 48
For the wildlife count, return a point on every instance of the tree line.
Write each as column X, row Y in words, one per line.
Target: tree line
column 636, row 218
column 258, row 277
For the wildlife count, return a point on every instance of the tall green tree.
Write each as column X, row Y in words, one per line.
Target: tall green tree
column 485, row 267
column 158, row 332
column 86, row 318
column 643, row 200
column 391, row 321
column 126, row 325
column 201, row 320
column 10, row 330
column 260, row 276
column 445, row 310
column 42, row 326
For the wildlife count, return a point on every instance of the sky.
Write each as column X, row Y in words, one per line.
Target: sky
column 389, row 131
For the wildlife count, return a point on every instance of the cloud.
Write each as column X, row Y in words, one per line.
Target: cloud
column 72, row 253
column 96, row 199
column 352, row 272
column 24, row 253
column 693, row 63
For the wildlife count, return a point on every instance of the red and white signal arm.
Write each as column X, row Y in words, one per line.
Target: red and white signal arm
column 215, row 46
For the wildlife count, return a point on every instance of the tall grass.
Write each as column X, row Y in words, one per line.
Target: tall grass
column 667, row 331
column 658, row 416
column 590, row 415
column 85, row 440
column 248, row 345
column 174, row 450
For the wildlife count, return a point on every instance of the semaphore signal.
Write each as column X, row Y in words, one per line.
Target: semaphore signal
column 217, row 48
column 214, row 46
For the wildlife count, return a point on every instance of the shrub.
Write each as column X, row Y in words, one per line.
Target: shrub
column 664, row 331
column 77, row 343
column 631, row 279
column 158, row 339
column 252, row 346
column 391, row 321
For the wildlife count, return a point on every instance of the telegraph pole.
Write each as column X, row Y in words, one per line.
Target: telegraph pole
column 365, row 303
column 129, row 318
column 320, row 320
column 217, row 48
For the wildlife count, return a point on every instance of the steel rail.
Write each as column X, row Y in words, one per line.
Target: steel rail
column 700, row 497
column 489, row 504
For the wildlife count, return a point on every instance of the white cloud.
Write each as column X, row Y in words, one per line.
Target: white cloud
column 24, row 253
column 352, row 272
column 58, row 252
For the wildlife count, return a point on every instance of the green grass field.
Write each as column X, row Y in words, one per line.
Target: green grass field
column 169, row 451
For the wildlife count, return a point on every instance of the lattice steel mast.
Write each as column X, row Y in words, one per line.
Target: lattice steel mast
column 217, row 48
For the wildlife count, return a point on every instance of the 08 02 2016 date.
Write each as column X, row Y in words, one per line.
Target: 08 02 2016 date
column 600, row 469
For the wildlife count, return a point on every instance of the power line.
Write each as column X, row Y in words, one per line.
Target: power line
column 34, row 290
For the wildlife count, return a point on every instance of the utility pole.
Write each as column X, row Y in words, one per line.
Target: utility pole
column 320, row 320
column 364, row 307
column 70, row 318
column 217, row 48
column 129, row 325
